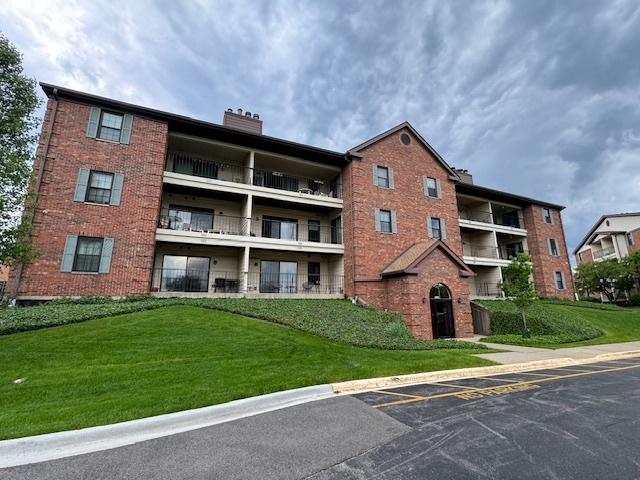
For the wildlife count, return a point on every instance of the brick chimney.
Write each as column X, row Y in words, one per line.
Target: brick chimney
column 465, row 176
column 246, row 122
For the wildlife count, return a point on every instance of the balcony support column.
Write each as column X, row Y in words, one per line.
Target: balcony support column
column 244, row 271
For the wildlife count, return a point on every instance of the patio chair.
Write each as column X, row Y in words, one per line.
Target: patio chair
column 219, row 283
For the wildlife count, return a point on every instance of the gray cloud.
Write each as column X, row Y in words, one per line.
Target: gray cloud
column 536, row 98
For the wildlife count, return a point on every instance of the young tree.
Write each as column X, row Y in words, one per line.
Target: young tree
column 517, row 285
column 632, row 264
column 18, row 127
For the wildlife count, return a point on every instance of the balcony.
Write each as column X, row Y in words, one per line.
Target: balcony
column 223, row 283
column 482, row 216
column 605, row 252
column 214, row 170
column 489, row 252
column 203, row 221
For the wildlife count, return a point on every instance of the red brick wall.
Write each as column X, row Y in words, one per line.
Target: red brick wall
column 132, row 224
column 367, row 251
column 543, row 263
column 587, row 257
column 406, row 295
column 636, row 241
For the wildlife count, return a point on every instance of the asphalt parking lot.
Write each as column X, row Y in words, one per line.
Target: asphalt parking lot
column 570, row 422
column 579, row 421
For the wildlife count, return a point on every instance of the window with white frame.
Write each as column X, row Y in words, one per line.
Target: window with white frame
column 111, row 126
column 560, row 283
column 383, row 177
column 436, row 228
column 94, row 186
column 432, row 187
column 386, row 221
column 629, row 237
column 553, row 247
column 87, row 254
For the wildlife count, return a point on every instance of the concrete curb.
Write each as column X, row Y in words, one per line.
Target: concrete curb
column 357, row 386
column 40, row 448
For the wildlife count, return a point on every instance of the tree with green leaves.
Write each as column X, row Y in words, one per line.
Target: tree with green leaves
column 632, row 264
column 18, row 137
column 609, row 277
column 518, row 286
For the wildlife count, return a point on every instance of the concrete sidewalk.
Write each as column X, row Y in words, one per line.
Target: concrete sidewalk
column 41, row 448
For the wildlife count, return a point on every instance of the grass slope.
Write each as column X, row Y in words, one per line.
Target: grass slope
column 171, row 359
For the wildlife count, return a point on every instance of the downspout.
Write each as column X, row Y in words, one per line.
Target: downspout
column 36, row 188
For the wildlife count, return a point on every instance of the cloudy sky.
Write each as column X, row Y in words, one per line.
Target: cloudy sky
column 539, row 98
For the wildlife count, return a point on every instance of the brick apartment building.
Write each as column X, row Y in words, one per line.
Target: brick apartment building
column 136, row 201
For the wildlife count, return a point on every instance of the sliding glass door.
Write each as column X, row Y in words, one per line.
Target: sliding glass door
column 278, row 277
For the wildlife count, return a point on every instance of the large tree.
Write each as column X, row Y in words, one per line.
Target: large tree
column 609, row 277
column 18, row 136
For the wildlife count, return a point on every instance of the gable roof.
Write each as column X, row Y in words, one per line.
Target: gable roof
column 407, row 262
column 355, row 152
column 589, row 237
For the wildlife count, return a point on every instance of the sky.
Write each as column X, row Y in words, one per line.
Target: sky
column 537, row 98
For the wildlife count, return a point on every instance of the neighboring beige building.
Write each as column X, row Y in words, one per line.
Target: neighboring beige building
column 613, row 236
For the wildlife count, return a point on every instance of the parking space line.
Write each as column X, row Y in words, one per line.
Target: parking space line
column 537, row 374
column 452, row 385
column 499, row 379
column 415, row 397
column 500, row 390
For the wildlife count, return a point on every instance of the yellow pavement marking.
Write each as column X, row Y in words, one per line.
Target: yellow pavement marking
column 417, row 397
column 499, row 390
column 537, row 374
column 452, row 385
column 499, row 379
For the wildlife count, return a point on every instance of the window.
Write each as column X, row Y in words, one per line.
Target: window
column 386, row 221
column 553, row 247
column 98, row 187
column 336, row 230
column 580, row 257
column 87, row 254
column 111, row 126
column 432, row 187
column 559, row 277
column 313, row 270
column 436, row 228
column 629, row 236
column 278, row 277
column 314, row 231
column 182, row 273
column 182, row 218
column 282, row 228
column 383, row 177
column 513, row 249
column 546, row 216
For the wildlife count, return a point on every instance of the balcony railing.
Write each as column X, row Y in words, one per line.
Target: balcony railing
column 486, row 289
column 202, row 221
column 297, row 232
column 483, row 251
column 310, row 186
column 603, row 253
column 199, row 167
column 514, row 221
column 215, row 281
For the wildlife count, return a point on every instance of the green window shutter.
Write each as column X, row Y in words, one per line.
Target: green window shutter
column 443, row 230
column 378, row 227
column 394, row 223
column 69, row 253
column 429, row 228
column 125, row 135
column 94, row 119
column 105, row 258
column 390, row 178
column 549, row 246
column 81, row 185
column 424, row 185
column 438, row 189
column 116, row 189
column 375, row 175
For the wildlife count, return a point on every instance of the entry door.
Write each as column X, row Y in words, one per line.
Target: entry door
column 442, row 318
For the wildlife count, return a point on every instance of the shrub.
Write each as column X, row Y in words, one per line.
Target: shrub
column 543, row 321
column 634, row 300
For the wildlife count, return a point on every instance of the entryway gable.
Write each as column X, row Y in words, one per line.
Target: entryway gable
column 410, row 261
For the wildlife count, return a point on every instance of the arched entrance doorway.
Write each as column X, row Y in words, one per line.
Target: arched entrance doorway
column 441, row 312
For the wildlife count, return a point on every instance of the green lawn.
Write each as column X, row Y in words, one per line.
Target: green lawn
column 622, row 325
column 175, row 358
